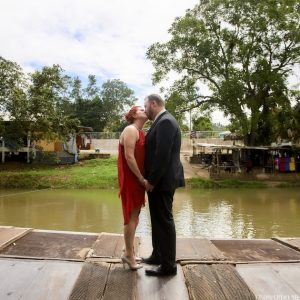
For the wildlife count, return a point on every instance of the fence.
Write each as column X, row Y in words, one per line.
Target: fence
column 184, row 134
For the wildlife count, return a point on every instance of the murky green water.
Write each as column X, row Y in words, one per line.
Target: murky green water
column 225, row 213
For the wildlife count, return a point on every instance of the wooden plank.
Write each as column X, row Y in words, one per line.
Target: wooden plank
column 145, row 248
column 37, row 279
column 110, row 245
column 51, row 245
column 230, row 262
column 233, row 286
column 111, row 260
column 121, row 284
column 157, row 288
column 187, row 249
column 215, row 282
column 290, row 242
column 201, row 283
column 289, row 273
column 91, row 282
column 9, row 235
column 106, row 245
column 197, row 249
column 266, row 282
column 255, row 250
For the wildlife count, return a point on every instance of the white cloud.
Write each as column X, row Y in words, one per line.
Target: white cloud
column 105, row 38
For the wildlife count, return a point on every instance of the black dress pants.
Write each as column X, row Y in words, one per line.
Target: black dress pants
column 163, row 227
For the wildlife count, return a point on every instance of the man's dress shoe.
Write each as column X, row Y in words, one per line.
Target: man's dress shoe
column 161, row 271
column 151, row 260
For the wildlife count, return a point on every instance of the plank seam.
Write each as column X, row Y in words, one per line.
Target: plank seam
column 106, row 281
column 41, row 258
column 286, row 244
column 230, row 262
column 13, row 239
column 187, row 284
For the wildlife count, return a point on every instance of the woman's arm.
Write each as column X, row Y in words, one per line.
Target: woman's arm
column 129, row 139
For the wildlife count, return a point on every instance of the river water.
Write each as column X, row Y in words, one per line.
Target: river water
column 226, row 213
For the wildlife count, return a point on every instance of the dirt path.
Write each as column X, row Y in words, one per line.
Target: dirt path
column 191, row 170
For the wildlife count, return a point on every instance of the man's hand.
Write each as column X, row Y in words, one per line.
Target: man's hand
column 149, row 187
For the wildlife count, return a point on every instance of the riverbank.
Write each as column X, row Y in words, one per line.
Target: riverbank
column 99, row 174
column 95, row 173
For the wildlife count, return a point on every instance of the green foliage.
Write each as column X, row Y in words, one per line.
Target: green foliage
column 33, row 104
column 202, row 123
column 116, row 98
column 11, row 81
column 100, row 107
column 219, row 127
column 47, row 95
column 50, row 104
column 86, row 103
column 287, row 123
column 176, row 105
column 243, row 51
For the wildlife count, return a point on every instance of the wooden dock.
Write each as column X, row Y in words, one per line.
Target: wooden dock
column 41, row 264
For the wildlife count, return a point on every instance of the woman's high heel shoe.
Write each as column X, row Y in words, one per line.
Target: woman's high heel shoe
column 137, row 259
column 131, row 266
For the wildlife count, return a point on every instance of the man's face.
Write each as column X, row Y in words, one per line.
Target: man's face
column 148, row 109
column 140, row 113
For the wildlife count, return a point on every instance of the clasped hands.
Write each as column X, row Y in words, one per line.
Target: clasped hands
column 149, row 187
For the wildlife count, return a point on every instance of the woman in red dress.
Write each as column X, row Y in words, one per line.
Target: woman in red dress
column 131, row 178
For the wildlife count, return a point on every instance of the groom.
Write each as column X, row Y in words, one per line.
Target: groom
column 163, row 173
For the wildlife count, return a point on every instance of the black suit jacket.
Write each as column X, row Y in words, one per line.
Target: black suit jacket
column 163, row 168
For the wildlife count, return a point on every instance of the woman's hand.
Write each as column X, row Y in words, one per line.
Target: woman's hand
column 149, row 187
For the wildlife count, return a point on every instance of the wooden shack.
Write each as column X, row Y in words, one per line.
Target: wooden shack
column 237, row 160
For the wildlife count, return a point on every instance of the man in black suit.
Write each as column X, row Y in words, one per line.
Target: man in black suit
column 163, row 173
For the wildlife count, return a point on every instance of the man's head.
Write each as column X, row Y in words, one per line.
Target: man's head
column 153, row 105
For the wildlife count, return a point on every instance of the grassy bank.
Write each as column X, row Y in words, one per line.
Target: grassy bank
column 228, row 183
column 97, row 174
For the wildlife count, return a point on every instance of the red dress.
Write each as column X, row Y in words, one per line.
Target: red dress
column 131, row 191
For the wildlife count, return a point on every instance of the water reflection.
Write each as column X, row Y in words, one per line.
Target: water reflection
column 238, row 213
column 207, row 213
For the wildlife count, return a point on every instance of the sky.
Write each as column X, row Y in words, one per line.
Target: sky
column 106, row 38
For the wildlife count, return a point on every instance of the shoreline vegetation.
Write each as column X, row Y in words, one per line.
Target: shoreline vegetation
column 99, row 174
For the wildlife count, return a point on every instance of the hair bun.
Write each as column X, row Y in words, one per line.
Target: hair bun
column 129, row 115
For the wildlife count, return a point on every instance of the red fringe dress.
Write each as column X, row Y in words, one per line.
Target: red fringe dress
column 131, row 191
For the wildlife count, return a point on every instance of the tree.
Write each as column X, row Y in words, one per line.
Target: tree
column 244, row 51
column 33, row 103
column 102, row 107
column 87, row 103
column 202, row 123
column 47, row 96
column 13, row 103
column 116, row 97
column 294, row 123
column 12, row 86
column 175, row 104
column 219, row 127
column 12, row 79
column 288, row 123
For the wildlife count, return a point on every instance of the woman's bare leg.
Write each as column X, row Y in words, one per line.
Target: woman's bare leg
column 129, row 233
